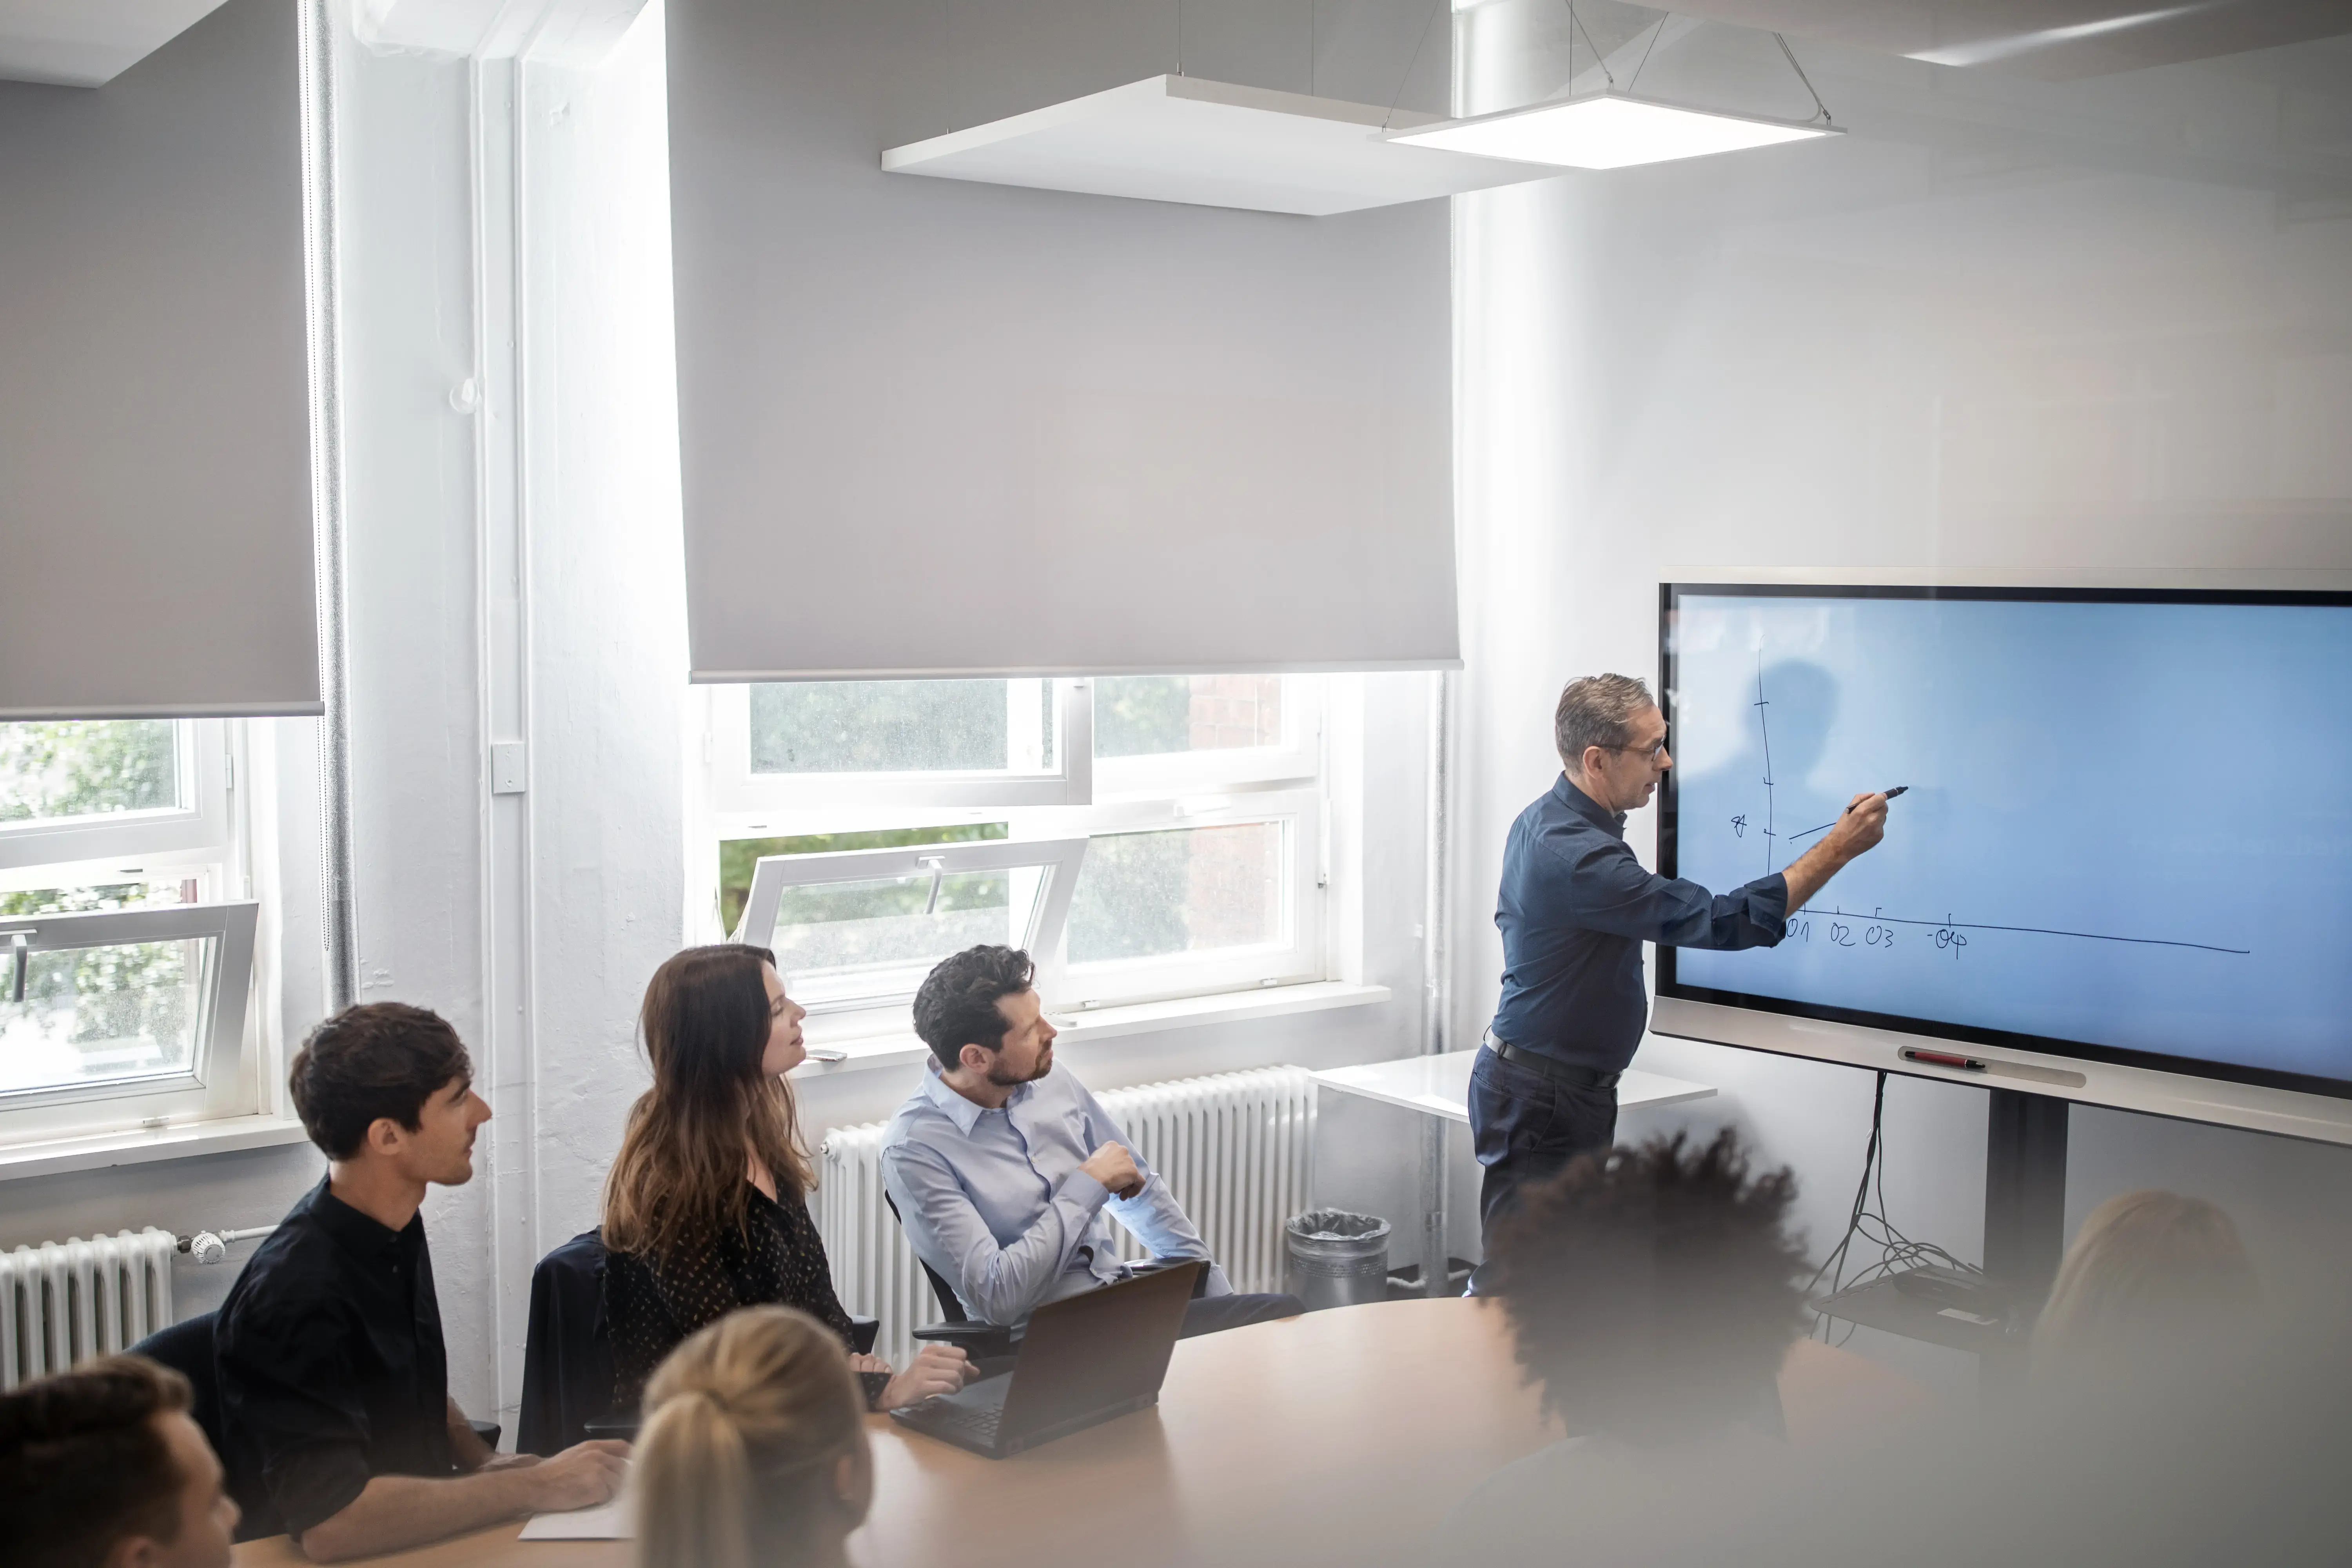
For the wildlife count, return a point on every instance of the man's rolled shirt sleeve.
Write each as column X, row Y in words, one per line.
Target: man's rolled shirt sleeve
column 292, row 1391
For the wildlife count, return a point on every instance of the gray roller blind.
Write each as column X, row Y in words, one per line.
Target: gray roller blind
column 154, row 437
column 929, row 428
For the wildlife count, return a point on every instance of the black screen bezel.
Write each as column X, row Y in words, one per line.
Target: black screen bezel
column 1670, row 595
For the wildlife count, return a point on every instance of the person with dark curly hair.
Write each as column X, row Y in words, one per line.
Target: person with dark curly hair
column 1001, row 1165
column 1653, row 1293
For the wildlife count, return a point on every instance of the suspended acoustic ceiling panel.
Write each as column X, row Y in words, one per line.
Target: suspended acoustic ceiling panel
column 154, row 416
column 1212, row 143
column 936, row 429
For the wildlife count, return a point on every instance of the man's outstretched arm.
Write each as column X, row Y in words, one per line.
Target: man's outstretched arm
column 1860, row 827
column 394, row 1512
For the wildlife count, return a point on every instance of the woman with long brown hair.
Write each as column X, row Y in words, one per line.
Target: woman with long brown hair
column 706, row 1207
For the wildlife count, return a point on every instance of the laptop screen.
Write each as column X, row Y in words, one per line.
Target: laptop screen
column 1096, row 1350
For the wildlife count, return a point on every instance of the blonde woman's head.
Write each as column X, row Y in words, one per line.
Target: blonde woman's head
column 752, row 1454
column 2150, row 1273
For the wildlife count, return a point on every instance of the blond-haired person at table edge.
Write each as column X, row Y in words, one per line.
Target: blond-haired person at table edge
column 752, row 1454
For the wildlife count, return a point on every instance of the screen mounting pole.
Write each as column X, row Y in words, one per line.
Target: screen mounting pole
column 2024, row 1204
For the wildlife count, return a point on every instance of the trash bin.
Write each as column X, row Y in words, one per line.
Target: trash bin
column 1338, row 1259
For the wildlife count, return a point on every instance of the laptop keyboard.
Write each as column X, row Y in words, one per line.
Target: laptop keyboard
column 978, row 1423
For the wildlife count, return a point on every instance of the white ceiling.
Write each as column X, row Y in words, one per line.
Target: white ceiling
column 88, row 43
column 2056, row 40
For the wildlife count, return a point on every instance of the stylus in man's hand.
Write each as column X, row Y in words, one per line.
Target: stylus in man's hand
column 1890, row 795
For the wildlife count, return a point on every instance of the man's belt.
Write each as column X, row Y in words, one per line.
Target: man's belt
column 1550, row 1067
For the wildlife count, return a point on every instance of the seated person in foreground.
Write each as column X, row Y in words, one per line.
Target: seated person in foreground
column 1653, row 1293
column 1001, row 1166
column 752, row 1454
column 103, row 1467
column 706, row 1208
column 335, row 1402
column 2155, row 1284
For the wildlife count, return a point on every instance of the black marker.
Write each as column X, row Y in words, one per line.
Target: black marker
column 1891, row 794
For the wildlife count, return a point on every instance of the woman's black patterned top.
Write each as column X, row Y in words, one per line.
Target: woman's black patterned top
column 778, row 1259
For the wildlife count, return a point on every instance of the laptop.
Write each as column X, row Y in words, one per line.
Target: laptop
column 1084, row 1359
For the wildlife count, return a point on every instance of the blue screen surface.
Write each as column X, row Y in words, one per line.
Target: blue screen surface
column 2129, row 825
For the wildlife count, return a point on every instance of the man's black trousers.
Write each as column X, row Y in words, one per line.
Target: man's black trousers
column 1526, row 1126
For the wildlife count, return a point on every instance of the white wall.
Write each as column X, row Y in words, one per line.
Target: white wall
column 515, row 573
column 2004, row 324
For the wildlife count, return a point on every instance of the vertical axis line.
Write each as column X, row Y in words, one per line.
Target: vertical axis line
column 1765, row 727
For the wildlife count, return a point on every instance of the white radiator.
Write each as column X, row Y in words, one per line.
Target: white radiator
column 65, row 1301
column 1233, row 1147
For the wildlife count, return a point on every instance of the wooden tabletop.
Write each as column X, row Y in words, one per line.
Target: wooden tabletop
column 1344, row 1436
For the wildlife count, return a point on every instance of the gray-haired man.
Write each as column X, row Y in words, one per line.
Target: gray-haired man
column 1575, row 907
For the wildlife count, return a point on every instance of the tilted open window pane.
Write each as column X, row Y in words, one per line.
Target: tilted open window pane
column 63, row 772
column 862, row 927
column 1162, row 715
column 1181, row 890
column 120, row 999
column 106, row 1014
column 905, row 726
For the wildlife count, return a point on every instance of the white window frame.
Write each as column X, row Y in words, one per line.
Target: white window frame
column 73, row 849
column 1286, row 782
column 1296, row 757
column 223, row 1078
column 1295, row 957
column 1058, row 860
column 738, row 796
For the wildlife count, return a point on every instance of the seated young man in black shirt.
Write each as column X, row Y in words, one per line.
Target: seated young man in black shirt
column 334, row 1385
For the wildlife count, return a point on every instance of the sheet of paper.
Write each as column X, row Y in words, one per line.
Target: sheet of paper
column 613, row 1521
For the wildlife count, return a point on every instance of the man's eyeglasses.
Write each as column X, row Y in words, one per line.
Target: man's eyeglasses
column 1652, row 752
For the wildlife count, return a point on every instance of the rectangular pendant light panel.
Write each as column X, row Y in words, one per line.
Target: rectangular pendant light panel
column 1606, row 130
column 1211, row 144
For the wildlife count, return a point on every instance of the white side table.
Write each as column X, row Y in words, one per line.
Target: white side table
column 1440, row 1086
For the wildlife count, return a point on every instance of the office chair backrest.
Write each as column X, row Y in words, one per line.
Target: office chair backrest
column 186, row 1347
column 567, row 1358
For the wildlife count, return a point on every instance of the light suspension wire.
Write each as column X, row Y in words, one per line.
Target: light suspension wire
column 1791, row 55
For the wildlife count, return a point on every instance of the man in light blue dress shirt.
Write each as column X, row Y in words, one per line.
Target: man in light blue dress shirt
column 1002, row 1167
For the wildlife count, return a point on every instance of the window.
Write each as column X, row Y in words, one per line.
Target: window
column 124, row 966
column 860, row 927
column 905, row 742
column 72, row 793
column 869, row 829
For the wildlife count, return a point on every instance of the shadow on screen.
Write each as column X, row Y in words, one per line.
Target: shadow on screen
column 1769, row 805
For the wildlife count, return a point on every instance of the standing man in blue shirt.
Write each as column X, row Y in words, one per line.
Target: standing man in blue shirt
column 1575, row 907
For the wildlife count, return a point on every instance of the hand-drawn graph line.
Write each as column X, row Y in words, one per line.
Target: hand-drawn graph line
column 1950, row 924
column 1766, row 730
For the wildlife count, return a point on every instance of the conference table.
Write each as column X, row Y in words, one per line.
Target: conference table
column 1341, row 1437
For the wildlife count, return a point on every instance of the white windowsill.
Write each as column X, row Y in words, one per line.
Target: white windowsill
column 139, row 1145
column 902, row 1048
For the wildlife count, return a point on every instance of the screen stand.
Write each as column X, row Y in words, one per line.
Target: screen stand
column 2025, row 1208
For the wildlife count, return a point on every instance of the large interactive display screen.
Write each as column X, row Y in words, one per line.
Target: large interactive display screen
column 2126, row 835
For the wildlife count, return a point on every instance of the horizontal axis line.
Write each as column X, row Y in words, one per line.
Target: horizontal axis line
column 2031, row 930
